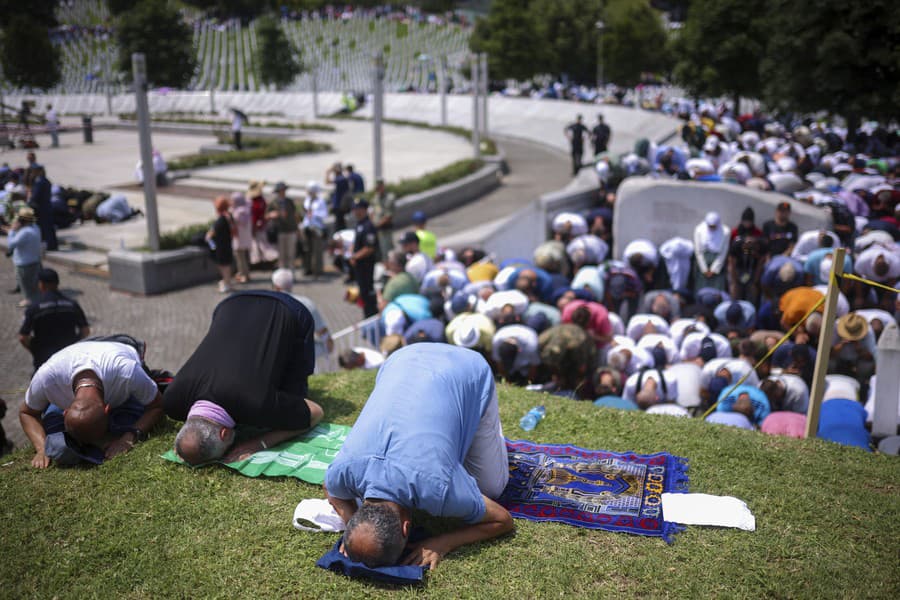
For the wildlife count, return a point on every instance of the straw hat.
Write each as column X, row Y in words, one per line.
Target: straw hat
column 256, row 188
column 852, row 327
column 26, row 215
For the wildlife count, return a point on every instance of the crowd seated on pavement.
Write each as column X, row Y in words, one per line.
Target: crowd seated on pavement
column 671, row 329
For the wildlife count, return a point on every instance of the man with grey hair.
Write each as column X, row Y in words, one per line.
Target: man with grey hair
column 448, row 407
column 251, row 368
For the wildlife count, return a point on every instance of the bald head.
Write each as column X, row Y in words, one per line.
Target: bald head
column 86, row 418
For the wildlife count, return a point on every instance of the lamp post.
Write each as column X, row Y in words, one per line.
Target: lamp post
column 601, row 27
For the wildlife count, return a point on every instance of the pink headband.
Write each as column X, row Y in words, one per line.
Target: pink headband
column 209, row 410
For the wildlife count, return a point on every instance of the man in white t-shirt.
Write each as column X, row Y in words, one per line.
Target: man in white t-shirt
column 87, row 380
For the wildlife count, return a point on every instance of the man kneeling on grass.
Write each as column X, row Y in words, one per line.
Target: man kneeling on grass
column 428, row 438
column 250, row 369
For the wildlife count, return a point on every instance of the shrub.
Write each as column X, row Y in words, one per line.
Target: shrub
column 265, row 150
column 183, row 236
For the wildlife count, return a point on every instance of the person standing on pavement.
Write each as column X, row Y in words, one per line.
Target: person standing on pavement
column 243, row 235
column 53, row 322
column 363, row 258
column 383, row 217
column 284, row 212
column 341, row 197
column 237, row 123
column 600, row 136
column 357, row 184
column 52, row 126
column 315, row 211
column 219, row 240
column 39, row 198
column 24, row 241
column 576, row 133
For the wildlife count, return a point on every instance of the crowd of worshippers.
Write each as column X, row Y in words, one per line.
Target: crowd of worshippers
column 668, row 328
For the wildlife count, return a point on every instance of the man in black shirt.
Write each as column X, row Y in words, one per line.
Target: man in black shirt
column 53, row 322
column 600, row 136
column 251, row 368
column 363, row 258
column 576, row 132
column 780, row 233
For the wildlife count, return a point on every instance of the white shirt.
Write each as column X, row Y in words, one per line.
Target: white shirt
column 677, row 253
column 595, row 249
column 809, row 241
column 493, row 306
column 671, row 391
column 645, row 248
column 865, row 263
column 679, row 327
column 638, row 360
column 526, row 339
column 714, row 240
column 579, row 225
column 651, row 340
column 373, row 358
column 636, row 324
column 117, row 365
column 796, row 392
column 318, row 323
column 690, row 346
column 316, row 212
column 736, row 366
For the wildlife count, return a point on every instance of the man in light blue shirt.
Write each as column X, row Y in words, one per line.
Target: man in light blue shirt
column 428, row 438
column 24, row 240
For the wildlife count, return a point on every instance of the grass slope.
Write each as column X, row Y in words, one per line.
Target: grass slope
column 828, row 521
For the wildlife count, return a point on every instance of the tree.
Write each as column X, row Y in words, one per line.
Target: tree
column 157, row 30
column 566, row 36
column 277, row 61
column 719, row 48
column 29, row 58
column 506, row 35
column 841, row 57
column 634, row 41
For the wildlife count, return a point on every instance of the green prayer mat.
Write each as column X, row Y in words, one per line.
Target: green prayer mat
column 306, row 457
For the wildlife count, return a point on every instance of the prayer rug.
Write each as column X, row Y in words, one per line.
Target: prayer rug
column 306, row 457
column 593, row 488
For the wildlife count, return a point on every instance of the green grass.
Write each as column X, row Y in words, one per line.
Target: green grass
column 265, row 150
column 433, row 179
column 181, row 237
column 828, row 521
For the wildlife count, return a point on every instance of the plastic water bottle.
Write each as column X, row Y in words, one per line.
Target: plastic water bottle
column 212, row 244
column 532, row 418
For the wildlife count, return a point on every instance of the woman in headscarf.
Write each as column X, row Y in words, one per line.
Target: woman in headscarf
column 711, row 240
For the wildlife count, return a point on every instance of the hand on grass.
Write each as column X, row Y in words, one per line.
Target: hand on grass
column 243, row 451
column 426, row 553
column 40, row 461
column 120, row 446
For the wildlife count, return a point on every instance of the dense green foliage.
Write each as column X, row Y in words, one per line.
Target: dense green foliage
column 278, row 61
column 525, row 38
column 827, row 520
column 433, row 179
column 264, row 149
column 28, row 57
column 156, row 29
column 804, row 56
column 183, row 236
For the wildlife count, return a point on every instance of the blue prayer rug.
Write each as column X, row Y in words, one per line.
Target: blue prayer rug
column 593, row 488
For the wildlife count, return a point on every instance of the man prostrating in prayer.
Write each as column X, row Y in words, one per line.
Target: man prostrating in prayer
column 250, row 369
column 428, row 438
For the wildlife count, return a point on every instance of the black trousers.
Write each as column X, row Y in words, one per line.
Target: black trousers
column 365, row 279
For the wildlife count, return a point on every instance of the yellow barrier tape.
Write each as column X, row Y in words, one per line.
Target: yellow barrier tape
column 870, row 282
column 771, row 351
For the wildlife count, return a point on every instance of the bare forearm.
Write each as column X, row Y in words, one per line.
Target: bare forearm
column 25, row 340
column 33, row 429
column 448, row 542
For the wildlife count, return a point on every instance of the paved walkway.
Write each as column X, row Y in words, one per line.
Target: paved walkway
column 174, row 323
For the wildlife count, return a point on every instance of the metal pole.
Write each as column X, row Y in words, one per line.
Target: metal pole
column 443, row 64
column 139, row 67
column 377, row 110
column 825, row 336
column 315, row 91
column 484, row 92
column 212, row 101
column 476, row 141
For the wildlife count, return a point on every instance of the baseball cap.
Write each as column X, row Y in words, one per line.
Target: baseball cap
column 784, row 206
column 409, row 237
column 48, row 276
column 419, row 217
column 280, row 186
column 361, row 203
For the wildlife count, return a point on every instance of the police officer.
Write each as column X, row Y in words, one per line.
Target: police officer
column 52, row 322
column 365, row 242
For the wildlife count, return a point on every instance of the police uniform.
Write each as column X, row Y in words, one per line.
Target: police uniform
column 55, row 322
column 366, row 237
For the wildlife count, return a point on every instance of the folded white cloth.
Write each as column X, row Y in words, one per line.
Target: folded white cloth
column 317, row 514
column 704, row 509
